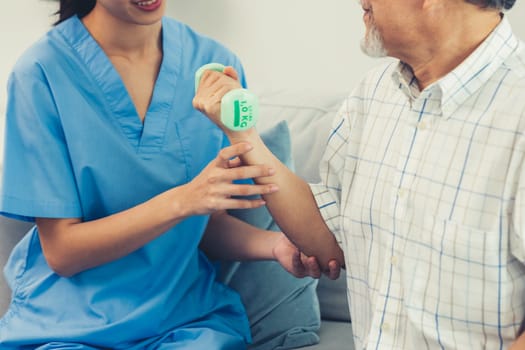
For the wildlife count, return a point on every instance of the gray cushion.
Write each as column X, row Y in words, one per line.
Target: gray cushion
column 332, row 298
column 334, row 336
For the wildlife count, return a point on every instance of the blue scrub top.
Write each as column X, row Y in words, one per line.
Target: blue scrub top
column 75, row 147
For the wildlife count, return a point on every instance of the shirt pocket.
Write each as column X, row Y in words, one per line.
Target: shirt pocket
column 462, row 279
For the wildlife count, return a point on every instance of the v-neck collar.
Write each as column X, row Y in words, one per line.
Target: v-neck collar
column 145, row 137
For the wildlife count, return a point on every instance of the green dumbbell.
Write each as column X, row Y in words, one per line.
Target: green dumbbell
column 239, row 107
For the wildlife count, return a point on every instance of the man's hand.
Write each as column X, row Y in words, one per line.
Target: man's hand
column 300, row 265
column 213, row 86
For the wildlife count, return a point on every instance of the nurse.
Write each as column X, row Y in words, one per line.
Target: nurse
column 125, row 181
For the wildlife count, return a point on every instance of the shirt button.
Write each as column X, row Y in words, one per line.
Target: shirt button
column 393, row 260
column 385, row 327
column 401, row 193
column 422, row 126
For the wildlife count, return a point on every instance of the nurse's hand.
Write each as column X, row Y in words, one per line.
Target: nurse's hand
column 300, row 265
column 213, row 189
column 213, row 86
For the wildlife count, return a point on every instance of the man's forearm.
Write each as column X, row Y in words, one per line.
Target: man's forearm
column 293, row 206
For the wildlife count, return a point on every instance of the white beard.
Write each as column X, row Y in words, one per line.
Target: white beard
column 372, row 44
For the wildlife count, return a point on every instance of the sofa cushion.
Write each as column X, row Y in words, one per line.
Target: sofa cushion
column 334, row 336
column 283, row 310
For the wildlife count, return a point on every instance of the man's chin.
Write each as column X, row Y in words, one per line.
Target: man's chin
column 372, row 43
column 373, row 49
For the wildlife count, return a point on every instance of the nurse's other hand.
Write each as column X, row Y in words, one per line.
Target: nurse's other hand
column 300, row 265
column 213, row 86
column 213, row 189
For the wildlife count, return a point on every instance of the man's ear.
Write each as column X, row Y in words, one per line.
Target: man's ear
column 437, row 10
column 437, row 6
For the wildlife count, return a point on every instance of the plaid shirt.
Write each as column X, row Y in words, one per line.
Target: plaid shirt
column 425, row 192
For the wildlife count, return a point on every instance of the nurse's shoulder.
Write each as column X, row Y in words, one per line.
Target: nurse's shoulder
column 44, row 55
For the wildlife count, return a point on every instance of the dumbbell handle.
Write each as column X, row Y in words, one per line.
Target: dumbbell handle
column 239, row 107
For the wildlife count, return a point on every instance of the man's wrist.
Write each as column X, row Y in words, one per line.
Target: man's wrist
column 241, row 136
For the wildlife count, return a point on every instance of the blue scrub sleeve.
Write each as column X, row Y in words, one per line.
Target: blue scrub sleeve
column 37, row 176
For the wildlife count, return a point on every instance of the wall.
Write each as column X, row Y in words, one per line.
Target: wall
column 310, row 44
column 21, row 23
column 294, row 43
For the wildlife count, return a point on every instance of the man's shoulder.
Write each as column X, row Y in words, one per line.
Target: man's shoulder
column 375, row 79
column 515, row 63
column 381, row 71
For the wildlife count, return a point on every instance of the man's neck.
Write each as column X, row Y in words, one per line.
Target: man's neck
column 445, row 49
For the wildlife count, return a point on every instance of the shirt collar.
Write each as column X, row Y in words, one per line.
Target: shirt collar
column 467, row 78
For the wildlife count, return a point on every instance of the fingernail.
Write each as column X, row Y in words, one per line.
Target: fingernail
column 273, row 188
column 271, row 171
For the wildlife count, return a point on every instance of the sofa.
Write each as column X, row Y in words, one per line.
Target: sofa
column 308, row 116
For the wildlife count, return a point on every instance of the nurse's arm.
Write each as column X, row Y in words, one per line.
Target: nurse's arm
column 228, row 238
column 72, row 245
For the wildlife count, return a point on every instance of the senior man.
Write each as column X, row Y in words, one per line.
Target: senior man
column 423, row 179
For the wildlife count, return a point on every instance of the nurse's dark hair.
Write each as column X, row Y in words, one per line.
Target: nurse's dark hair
column 496, row 4
column 70, row 8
